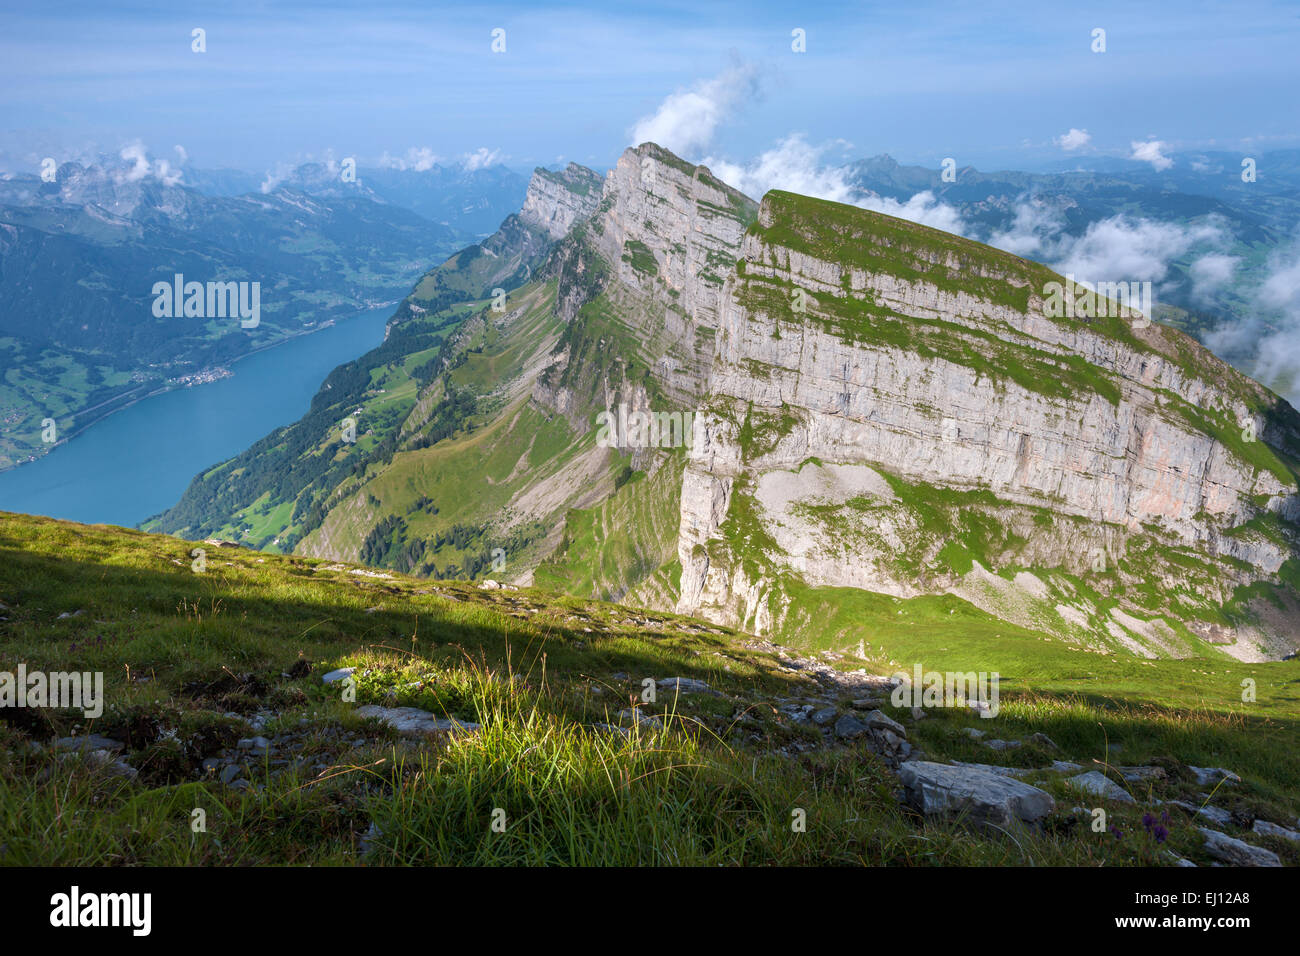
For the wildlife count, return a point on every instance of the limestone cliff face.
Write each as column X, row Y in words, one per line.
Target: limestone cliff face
column 649, row 267
column 895, row 410
column 669, row 222
column 848, row 340
column 555, row 202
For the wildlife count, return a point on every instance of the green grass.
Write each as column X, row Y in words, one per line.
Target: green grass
column 539, row 672
column 613, row 546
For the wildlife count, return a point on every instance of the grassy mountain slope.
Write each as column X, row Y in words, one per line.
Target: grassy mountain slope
column 196, row 661
column 280, row 490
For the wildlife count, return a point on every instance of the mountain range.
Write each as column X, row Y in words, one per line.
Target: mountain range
column 889, row 427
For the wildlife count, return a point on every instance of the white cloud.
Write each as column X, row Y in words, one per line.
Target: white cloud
column 1281, row 290
column 686, row 120
column 1074, row 139
column 1151, row 152
column 274, row 177
column 139, row 160
column 793, row 165
column 1035, row 227
column 923, row 208
column 1120, row 249
column 418, row 158
column 1212, row 272
column 481, row 158
column 1268, row 338
column 141, row 168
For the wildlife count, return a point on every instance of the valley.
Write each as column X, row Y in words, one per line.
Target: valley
column 88, row 478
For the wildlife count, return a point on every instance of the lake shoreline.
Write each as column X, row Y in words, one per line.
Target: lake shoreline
column 129, row 467
column 164, row 389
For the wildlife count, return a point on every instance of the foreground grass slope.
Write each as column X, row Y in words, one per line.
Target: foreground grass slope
column 197, row 661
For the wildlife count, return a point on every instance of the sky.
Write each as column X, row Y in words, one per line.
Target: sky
column 992, row 84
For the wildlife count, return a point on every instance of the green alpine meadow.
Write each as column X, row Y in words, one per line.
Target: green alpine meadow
column 542, row 684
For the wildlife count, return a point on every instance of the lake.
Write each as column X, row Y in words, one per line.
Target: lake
column 138, row 461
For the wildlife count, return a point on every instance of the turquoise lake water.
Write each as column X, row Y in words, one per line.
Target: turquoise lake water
column 137, row 462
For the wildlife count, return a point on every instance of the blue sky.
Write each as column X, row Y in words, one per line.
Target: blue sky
column 992, row 84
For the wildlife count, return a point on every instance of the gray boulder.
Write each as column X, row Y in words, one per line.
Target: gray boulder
column 1264, row 828
column 1141, row 774
column 878, row 720
column 850, row 727
column 1225, row 848
column 639, row 719
column 936, row 789
column 993, row 768
column 824, row 716
column 681, row 685
column 1205, row 776
column 1099, row 785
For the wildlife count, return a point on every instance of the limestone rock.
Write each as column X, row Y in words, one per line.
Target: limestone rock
column 879, row 720
column 681, row 685
column 413, row 720
column 1099, row 785
column 1237, row 852
column 1208, row 776
column 1264, row 828
column 971, row 793
column 555, row 201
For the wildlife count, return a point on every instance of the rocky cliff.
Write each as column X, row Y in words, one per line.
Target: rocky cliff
column 641, row 286
column 556, row 201
column 892, row 409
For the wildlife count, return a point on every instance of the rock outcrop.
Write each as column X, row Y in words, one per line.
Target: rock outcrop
column 557, row 201
column 652, row 262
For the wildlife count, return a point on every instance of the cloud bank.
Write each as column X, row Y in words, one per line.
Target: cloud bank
column 687, row 120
